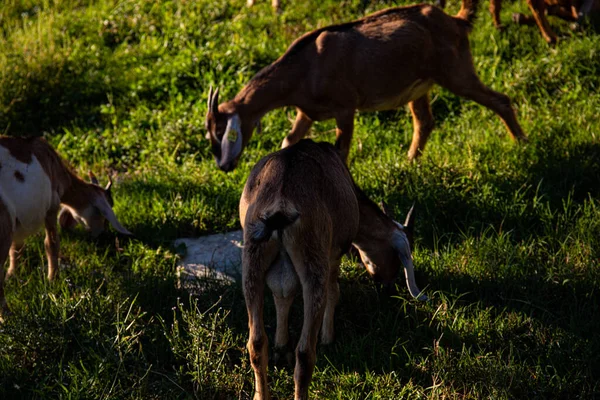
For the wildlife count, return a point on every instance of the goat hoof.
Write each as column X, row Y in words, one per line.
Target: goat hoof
column 283, row 357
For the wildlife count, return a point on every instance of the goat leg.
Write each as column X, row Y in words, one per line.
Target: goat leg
column 423, row 124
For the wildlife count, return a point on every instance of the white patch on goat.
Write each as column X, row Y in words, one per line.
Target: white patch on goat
column 29, row 199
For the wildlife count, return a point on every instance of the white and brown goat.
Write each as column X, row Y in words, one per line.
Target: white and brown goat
column 379, row 62
column 301, row 211
column 34, row 183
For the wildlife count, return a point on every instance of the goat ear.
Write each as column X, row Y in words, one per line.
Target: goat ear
column 108, row 213
column 93, row 178
column 66, row 219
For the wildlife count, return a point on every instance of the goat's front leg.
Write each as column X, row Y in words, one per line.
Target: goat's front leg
column 301, row 126
column 343, row 133
column 256, row 259
column 51, row 243
column 5, row 245
column 423, row 124
column 333, row 295
column 15, row 254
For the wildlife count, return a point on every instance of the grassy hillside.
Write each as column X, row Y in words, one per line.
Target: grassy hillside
column 508, row 236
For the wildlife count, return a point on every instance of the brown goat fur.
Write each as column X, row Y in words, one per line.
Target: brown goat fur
column 379, row 62
column 301, row 212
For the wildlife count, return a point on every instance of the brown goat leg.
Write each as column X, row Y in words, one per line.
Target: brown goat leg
column 312, row 270
column 423, row 124
column 15, row 253
column 51, row 243
column 343, row 134
column 333, row 295
column 5, row 245
column 538, row 9
column 301, row 126
column 256, row 259
column 282, row 351
column 495, row 7
column 464, row 82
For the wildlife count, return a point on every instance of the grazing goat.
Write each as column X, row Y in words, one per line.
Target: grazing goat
column 379, row 62
column 570, row 10
column 301, row 211
column 34, row 182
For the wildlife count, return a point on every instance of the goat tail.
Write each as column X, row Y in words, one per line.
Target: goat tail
column 263, row 228
column 468, row 10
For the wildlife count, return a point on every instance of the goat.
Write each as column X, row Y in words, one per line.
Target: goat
column 34, row 182
column 379, row 62
column 570, row 10
column 301, row 211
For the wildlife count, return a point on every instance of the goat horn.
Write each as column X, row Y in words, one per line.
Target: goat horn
column 214, row 102
column 210, row 95
column 109, row 184
column 410, row 219
column 93, row 178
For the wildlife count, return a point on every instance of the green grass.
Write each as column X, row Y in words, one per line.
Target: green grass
column 508, row 236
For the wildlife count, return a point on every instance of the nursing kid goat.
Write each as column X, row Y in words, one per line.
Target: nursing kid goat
column 301, row 212
column 34, row 183
column 379, row 62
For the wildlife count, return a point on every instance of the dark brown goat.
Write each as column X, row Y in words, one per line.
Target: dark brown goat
column 301, row 212
column 379, row 62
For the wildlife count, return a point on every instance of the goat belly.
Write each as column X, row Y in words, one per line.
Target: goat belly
column 26, row 192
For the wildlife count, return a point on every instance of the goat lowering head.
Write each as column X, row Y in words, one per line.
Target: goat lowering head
column 92, row 208
column 224, row 130
column 388, row 246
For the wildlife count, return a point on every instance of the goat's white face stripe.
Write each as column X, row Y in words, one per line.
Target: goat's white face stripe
column 27, row 190
column 231, row 144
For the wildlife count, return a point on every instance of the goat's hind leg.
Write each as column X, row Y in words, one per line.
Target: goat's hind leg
column 283, row 282
column 462, row 80
column 333, row 295
column 256, row 259
column 312, row 269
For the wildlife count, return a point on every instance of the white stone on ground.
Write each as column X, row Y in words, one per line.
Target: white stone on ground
column 209, row 258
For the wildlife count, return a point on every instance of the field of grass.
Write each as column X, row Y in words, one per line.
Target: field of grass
column 507, row 236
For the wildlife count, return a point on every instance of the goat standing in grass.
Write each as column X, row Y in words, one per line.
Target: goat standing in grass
column 379, row 62
column 34, row 182
column 301, row 212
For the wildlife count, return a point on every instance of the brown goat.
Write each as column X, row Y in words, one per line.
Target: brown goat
column 301, row 211
column 379, row 62
column 34, row 183
column 570, row 10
